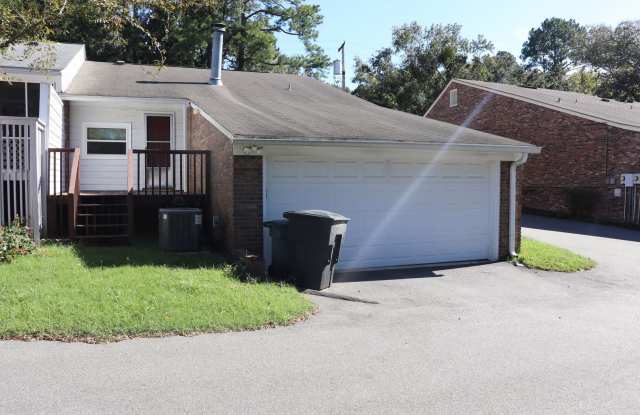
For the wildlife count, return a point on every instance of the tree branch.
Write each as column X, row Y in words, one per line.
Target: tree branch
column 281, row 30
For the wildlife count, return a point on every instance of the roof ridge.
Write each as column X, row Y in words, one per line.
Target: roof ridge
column 593, row 108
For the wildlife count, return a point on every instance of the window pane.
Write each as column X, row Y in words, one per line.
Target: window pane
column 98, row 147
column 12, row 99
column 158, row 128
column 111, row 134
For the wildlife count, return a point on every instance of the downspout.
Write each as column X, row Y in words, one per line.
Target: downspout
column 512, row 201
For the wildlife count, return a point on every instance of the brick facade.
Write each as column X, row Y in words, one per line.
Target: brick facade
column 581, row 160
column 247, row 205
column 235, row 190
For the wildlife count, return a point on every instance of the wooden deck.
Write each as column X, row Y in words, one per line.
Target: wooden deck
column 174, row 178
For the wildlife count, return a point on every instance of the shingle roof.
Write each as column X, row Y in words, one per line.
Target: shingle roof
column 276, row 106
column 47, row 56
column 619, row 114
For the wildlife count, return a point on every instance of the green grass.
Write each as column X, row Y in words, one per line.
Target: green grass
column 110, row 293
column 539, row 255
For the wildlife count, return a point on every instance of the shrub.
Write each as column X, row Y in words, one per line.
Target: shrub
column 15, row 239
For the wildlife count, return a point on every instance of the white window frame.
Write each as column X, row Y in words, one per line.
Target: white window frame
column 172, row 123
column 87, row 125
column 453, row 98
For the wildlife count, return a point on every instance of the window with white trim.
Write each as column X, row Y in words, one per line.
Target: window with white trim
column 106, row 140
column 453, row 98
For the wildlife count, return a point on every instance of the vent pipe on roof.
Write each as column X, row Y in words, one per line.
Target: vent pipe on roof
column 216, row 54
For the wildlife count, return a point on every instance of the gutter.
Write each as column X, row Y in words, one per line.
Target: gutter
column 507, row 148
column 512, row 201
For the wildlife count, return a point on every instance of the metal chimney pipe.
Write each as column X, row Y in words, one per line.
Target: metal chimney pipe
column 216, row 54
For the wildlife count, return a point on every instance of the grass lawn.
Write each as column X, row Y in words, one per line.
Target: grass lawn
column 111, row 293
column 539, row 255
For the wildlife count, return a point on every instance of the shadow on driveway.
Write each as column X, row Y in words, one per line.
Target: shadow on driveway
column 399, row 273
column 580, row 228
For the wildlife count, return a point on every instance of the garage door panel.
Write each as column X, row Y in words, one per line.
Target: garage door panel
column 374, row 169
column 315, row 169
column 402, row 212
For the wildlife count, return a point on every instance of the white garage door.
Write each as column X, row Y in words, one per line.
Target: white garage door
column 402, row 213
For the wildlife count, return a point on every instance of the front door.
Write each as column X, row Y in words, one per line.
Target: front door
column 159, row 136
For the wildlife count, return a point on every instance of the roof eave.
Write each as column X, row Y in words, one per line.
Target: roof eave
column 301, row 141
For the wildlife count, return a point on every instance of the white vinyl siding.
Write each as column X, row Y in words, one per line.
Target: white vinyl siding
column 53, row 117
column 111, row 173
column 55, row 123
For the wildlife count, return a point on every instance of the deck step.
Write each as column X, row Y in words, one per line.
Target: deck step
column 95, row 215
column 84, row 215
column 108, row 225
column 110, row 236
column 101, row 204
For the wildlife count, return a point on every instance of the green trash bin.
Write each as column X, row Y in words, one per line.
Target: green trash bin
column 279, row 268
column 315, row 238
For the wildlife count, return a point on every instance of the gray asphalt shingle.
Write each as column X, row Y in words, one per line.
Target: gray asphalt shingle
column 620, row 114
column 267, row 105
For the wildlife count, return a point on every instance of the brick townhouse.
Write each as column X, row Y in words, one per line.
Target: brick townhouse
column 590, row 161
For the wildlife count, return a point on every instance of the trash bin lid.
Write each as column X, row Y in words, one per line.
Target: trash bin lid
column 320, row 214
column 275, row 223
column 179, row 210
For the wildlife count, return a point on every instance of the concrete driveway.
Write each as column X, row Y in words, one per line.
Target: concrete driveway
column 483, row 339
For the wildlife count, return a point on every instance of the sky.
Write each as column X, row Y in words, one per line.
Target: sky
column 366, row 25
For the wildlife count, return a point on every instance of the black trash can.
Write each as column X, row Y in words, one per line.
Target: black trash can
column 278, row 230
column 315, row 237
column 180, row 229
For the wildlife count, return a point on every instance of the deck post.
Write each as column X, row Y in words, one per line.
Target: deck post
column 130, row 215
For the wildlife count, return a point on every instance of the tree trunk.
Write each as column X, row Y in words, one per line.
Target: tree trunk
column 241, row 60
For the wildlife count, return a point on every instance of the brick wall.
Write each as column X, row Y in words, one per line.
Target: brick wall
column 235, row 184
column 578, row 156
column 204, row 136
column 247, row 205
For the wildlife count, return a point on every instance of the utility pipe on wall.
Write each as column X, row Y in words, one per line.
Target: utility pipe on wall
column 512, row 201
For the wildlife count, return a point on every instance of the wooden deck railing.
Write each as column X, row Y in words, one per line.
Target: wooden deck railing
column 59, row 161
column 168, row 172
column 149, row 172
column 73, row 194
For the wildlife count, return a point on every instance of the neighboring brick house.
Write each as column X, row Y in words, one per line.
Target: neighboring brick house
column 587, row 144
column 246, row 147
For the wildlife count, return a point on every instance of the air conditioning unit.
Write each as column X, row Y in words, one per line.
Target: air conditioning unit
column 180, row 229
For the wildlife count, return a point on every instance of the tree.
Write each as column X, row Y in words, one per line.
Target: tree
column 252, row 25
column 379, row 80
column 553, row 48
column 175, row 32
column 106, row 26
column 502, row 67
column 615, row 55
column 411, row 74
column 584, row 81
